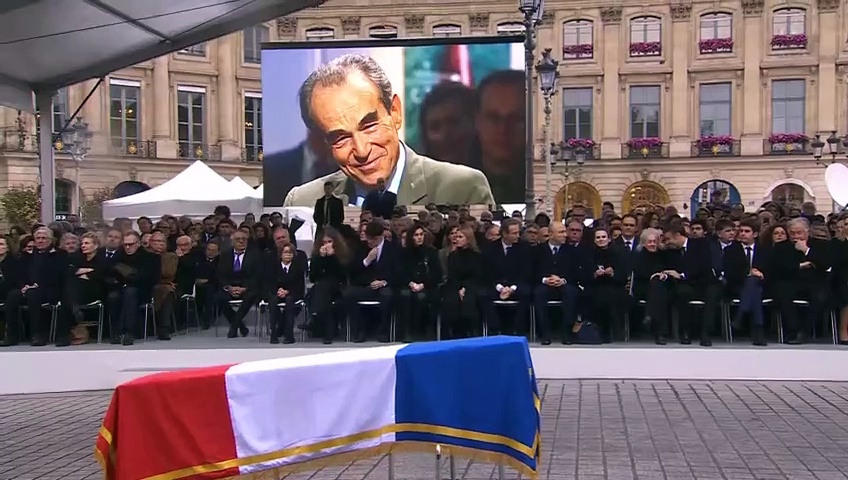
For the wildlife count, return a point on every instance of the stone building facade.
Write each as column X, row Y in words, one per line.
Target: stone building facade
column 732, row 91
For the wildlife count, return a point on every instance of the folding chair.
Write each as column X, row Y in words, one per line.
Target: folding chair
column 375, row 303
column 98, row 304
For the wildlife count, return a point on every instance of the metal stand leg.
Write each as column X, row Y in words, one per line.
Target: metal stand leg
column 391, row 467
column 452, row 463
column 438, row 472
column 500, row 472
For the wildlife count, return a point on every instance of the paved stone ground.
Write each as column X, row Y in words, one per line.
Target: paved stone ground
column 595, row 430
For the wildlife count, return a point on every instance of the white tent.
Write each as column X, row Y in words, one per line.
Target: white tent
column 240, row 185
column 195, row 191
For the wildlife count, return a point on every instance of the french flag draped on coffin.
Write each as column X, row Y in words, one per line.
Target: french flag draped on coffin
column 476, row 398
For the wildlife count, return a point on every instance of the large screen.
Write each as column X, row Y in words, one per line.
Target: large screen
column 433, row 123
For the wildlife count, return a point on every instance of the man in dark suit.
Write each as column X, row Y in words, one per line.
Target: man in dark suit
column 555, row 275
column 690, row 269
column 745, row 269
column 629, row 238
column 136, row 271
column 800, row 273
column 328, row 210
column 508, row 271
column 285, row 285
column 239, row 276
column 373, row 277
column 380, row 201
column 286, row 169
column 206, row 282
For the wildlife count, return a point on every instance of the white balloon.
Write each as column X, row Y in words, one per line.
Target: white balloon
column 836, row 178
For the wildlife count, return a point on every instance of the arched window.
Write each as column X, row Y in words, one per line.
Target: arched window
column 510, row 28
column 447, row 30
column 716, row 33
column 789, row 195
column 645, row 37
column 64, row 197
column 577, row 39
column 383, row 31
column 789, row 29
column 320, row 33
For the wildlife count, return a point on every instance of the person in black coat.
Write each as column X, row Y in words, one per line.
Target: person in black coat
column 8, row 269
column 329, row 209
column 328, row 273
column 380, row 201
column 689, row 268
column 206, row 282
column 839, row 260
column 463, row 284
column 508, row 265
column 745, row 268
column 84, row 283
column 556, row 276
column 239, row 278
column 373, row 278
column 800, row 268
column 285, row 284
column 38, row 282
column 420, row 275
column 606, row 285
column 650, row 283
column 135, row 271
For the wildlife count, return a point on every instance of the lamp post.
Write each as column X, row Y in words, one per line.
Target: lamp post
column 532, row 11
column 76, row 141
column 563, row 154
column 548, row 74
column 832, row 143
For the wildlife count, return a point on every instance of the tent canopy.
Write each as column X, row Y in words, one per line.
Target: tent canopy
column 49, row 44
column 239, row 185
column 197, row 190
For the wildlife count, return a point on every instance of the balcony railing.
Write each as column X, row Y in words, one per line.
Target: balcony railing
column 199, row 152
column 786, row 144
column 251, row 155
column 141, row 149
column 582, row 50
column 725, row 148
column 659, row 150
column 13, row 141
column 645, row 49
column 716, row 45
column 789, row 42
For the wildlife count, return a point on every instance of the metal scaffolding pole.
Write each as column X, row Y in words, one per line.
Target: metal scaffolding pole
column 47, row 161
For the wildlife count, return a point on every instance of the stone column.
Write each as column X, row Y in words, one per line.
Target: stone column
column 227, row 98
column 92, row 113
column 828, row 51
column 681, row 138
column 611, row 135
column 752, row 105
column 166, row 145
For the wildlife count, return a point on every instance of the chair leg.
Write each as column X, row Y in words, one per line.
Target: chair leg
column 146, row 319
column 100, row 323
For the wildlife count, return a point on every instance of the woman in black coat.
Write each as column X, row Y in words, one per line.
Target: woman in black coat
column 649, row 283
column 606, row 285
column 421, row 274
column 328, row 272
column 465, row 264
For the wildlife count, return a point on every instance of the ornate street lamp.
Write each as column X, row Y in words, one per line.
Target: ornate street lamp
column 832, row 143
column 564, row 154
column 548, row 74
column 532, row 10
column 75, row 141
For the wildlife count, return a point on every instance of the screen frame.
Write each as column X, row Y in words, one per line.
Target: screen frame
column 392, row 42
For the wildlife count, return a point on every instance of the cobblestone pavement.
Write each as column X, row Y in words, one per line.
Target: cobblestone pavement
column 601, row 429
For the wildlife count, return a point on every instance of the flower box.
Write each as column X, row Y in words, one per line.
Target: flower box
column 786, row 143
column 786, row 42
column 716, row 45
column 585, row 143
column 645, row 49
column 645, row 147
column 584, row 50
column 715, row 145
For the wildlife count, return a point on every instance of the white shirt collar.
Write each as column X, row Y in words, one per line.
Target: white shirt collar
column 393, row 182
column 685, row 244
column 285, row 266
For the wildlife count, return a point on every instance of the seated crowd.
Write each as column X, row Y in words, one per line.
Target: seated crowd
column 439, row 274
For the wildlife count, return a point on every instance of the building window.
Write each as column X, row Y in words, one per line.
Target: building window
column 510, row 28
column 789, row 29
column 320, row 33
column 198, row 50
column 124, row 114
column 645, row 111
column 645, row 37
column 60, row 110
column 252, row 126
column 577, row 113
column 577, row 39
column 383, row 31
column 64, row 191
column 788, row 107
column 716, row 33
column 446, row 30
column 253, row 38
column 715, row 109
column 191, row 125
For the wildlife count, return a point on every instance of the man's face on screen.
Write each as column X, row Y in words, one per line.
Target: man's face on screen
column 361, row 134
column 500, row 126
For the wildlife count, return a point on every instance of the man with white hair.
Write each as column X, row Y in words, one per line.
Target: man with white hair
column 40, row 275
column 800, row 273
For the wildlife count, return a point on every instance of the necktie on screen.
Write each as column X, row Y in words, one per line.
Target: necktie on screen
column 237, row 263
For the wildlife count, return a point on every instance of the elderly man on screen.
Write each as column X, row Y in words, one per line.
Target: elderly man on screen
column 350, row 103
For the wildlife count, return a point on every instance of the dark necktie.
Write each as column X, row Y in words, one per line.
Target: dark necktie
column 749, row 255
column 628, row 244
column 556, row 250
column 109, row 254
column 682, row 251
column 237, row 263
